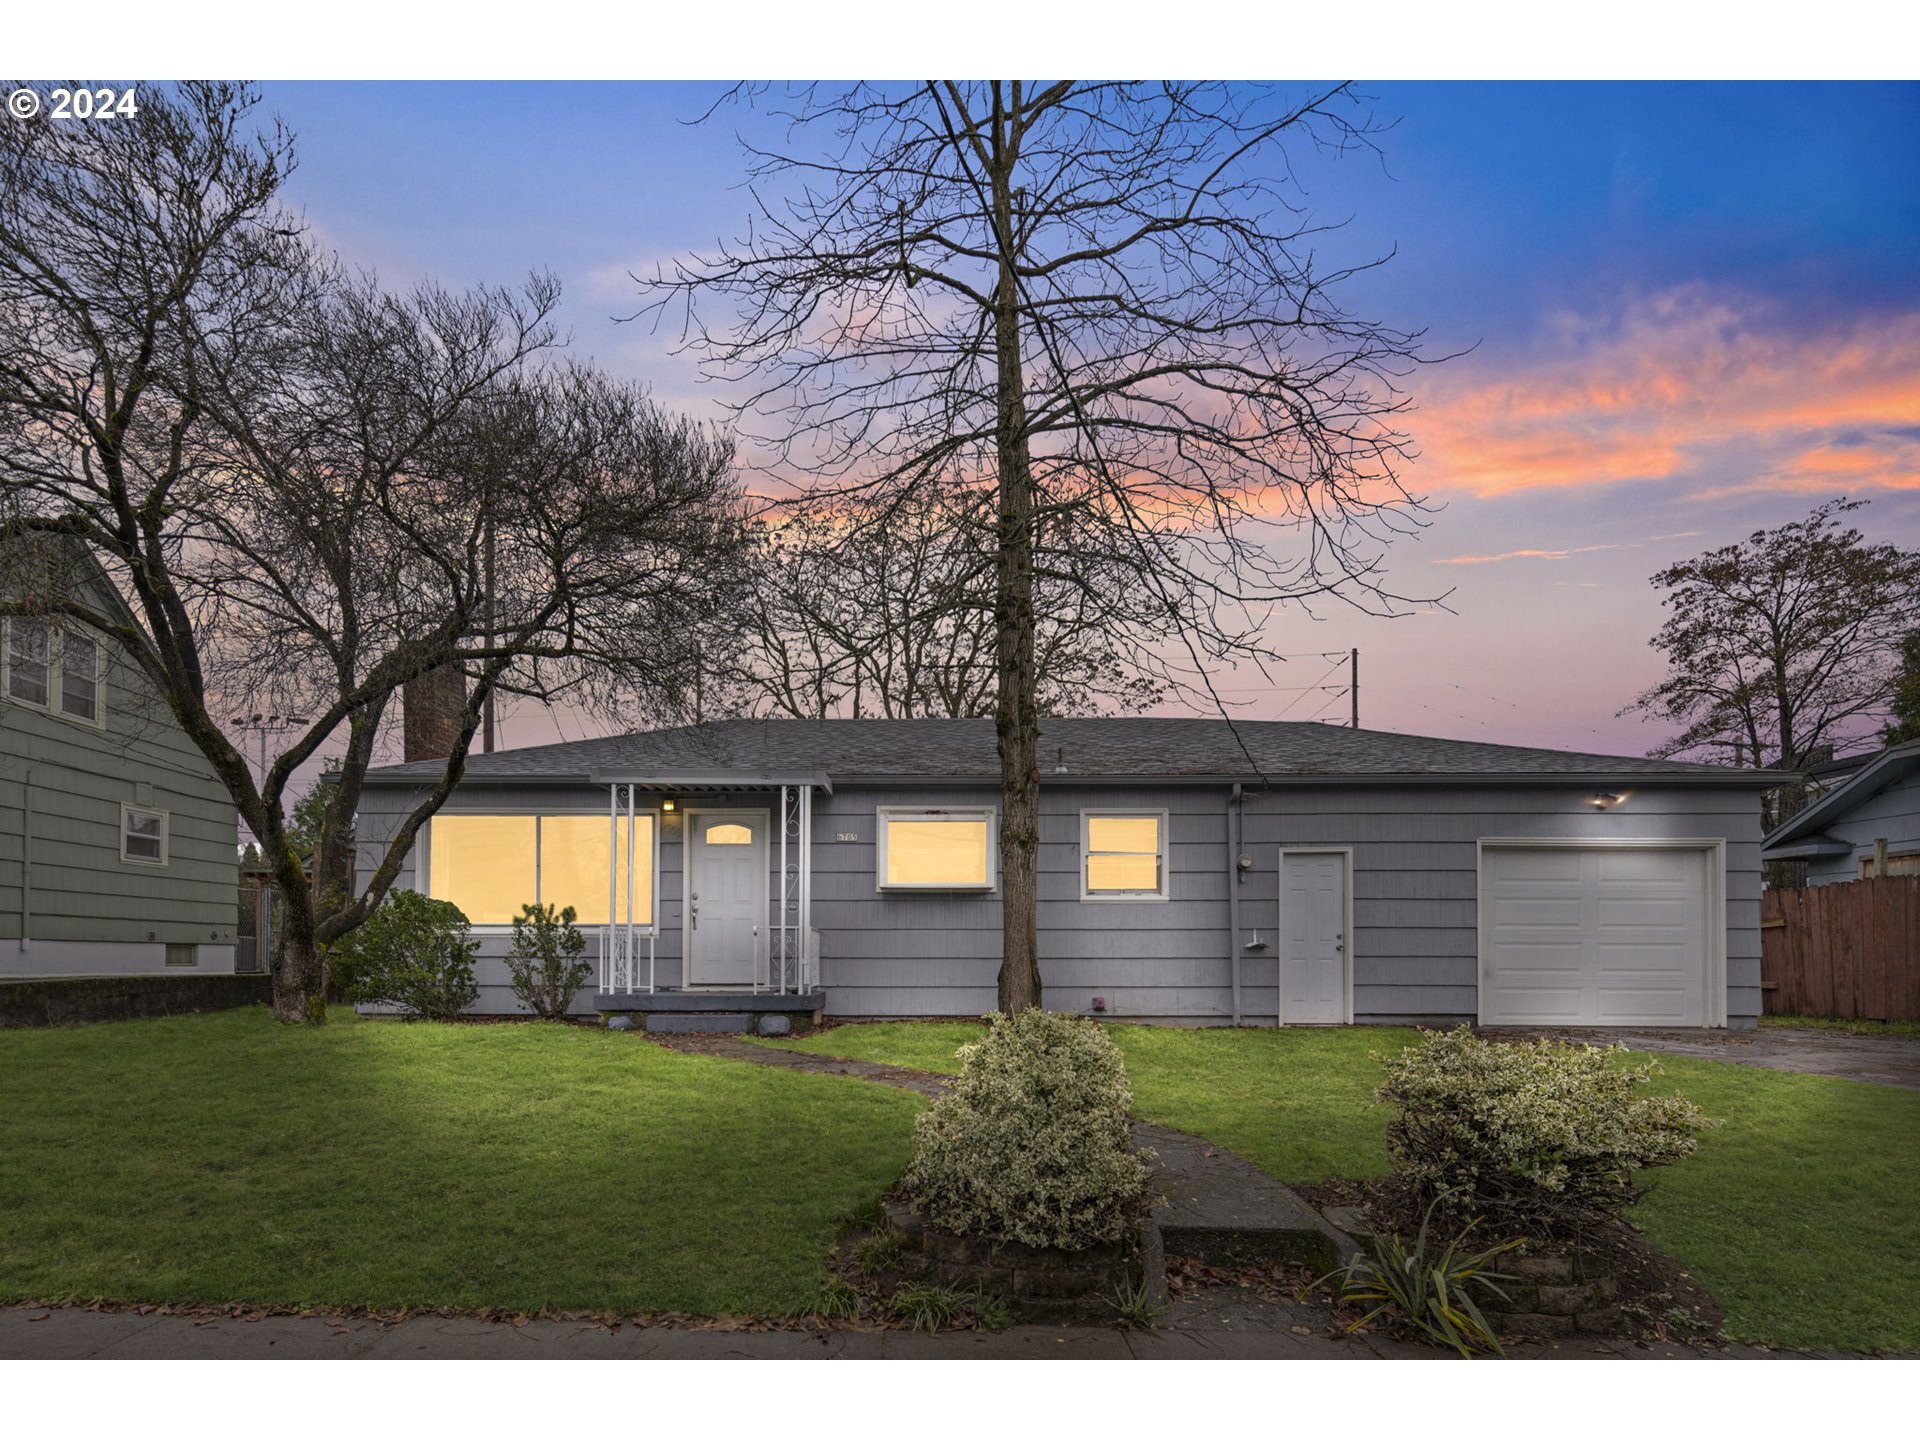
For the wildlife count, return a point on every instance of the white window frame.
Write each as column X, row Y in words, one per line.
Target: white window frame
column 885, row 815
column 1163, row 821
column 57, row 695
column 166, row 835
column 424, row 879
column 56, row 665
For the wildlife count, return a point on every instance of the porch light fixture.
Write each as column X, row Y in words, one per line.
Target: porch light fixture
column 1605, row 800
column 669, row 805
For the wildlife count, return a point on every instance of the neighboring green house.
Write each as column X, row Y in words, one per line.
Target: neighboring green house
column 117, row 844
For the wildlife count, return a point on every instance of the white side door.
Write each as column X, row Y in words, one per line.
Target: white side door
column 1313, row 937
column 726, row 913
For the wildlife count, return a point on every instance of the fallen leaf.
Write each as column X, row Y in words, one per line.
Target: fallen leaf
column 36, row 1319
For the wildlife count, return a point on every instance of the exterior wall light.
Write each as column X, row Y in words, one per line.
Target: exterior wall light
column 1605, row 800
column 669, row 805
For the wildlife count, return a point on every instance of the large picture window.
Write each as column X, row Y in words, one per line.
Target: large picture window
column 491, row 865
column 1123, row 855
column 936, row 849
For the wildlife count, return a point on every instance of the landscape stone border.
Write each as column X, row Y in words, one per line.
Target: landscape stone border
column 1038, row 1285
column 1554, row 1295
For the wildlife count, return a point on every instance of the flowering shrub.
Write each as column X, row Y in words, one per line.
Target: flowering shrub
column 1031, row 1142
column 1531, row 1136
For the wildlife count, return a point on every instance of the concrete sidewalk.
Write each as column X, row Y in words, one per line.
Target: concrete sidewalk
column 1196, row 1332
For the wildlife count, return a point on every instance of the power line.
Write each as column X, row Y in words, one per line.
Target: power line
column 1338, row 662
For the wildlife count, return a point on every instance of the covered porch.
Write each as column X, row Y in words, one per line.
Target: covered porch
column 709, row 900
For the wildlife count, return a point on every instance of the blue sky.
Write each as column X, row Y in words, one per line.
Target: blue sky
column 1693, row 310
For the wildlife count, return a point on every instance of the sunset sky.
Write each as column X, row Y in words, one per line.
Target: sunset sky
column 1691, row 310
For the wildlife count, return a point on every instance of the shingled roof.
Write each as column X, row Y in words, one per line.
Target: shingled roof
column 1083, row 749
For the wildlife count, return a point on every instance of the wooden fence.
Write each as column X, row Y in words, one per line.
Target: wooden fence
column 1848, row 951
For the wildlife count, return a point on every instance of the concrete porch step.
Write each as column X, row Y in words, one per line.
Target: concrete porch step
column 1221, row 1210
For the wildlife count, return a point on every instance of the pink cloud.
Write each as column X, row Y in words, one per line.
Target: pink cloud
column 1681, row 386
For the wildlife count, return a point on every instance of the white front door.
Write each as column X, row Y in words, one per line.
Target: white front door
column 1313, row 937
column 726, row 911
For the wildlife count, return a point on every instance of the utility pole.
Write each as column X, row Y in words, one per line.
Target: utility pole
column 1353, row 683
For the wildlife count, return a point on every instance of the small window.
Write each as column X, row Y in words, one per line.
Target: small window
column 143, row 835
column 183, row 955
column 936, row 850
column 727, row 834
column 80, row 676
column 29, row 661
column 1123, row 855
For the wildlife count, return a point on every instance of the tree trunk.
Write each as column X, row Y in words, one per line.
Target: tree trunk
column 299, row 969
column 1015, row 725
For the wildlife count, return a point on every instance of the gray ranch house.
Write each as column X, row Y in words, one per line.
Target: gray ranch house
column 1191, row 872
column 1866, row 823
column 118, row 847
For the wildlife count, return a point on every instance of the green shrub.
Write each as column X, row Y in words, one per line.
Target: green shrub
column 544, row 966
column 1534, row 1137
column 1432, row 1291
column 414, row 953
column 1031, row 1142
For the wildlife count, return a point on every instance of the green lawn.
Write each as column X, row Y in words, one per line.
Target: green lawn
column 1798, row 1212
column 1900, row 1029
column 222, row 1158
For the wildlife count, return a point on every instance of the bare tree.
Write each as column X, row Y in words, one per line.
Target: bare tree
column 292, row 475
column 1103, row 303
column 853, row 615
column 1781, row 645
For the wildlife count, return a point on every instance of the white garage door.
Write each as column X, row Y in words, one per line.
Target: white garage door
column 1593, row 936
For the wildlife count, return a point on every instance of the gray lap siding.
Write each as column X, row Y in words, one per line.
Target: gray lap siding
column 1415, row 890
column 1416, row 878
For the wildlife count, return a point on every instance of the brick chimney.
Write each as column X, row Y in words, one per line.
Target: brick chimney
column 431, row 705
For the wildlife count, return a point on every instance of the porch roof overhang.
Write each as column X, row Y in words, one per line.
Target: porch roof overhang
column 714, row 781
column 1812, row 847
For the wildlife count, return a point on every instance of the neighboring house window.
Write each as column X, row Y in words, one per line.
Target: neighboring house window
column 1123, row 854
column 492, row 865
column 80, row 676
column 63, row 677
column 936, row 849
column 29, row 662
column 143, row 835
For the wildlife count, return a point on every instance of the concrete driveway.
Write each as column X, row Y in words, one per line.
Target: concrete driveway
column 1804, row 1050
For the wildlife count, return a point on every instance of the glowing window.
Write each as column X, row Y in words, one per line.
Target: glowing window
column 936, row 850
column 727, row 833
column 484, row 864
column 1123, row 855
column 573, row 867
column 492, row 865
